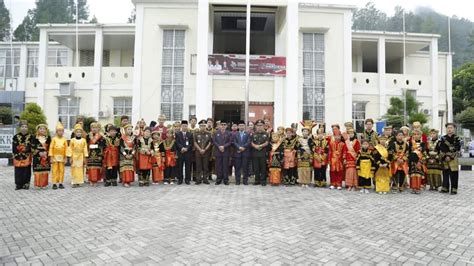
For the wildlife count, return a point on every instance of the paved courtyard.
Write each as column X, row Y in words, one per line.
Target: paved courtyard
column 233, row 225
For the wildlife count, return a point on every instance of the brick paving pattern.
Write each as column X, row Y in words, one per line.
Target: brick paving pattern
column 233, row 225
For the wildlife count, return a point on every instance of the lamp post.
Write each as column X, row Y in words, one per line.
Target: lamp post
column 404, row 91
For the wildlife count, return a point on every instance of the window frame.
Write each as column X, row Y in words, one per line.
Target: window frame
column 176, row 108
column 316, row 88
column 72, row 110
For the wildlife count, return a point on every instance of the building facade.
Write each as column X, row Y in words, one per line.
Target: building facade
column 185, row 57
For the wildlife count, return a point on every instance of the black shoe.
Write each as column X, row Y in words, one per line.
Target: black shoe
column 107, row 184
column 237, row 183
column 147, row 184
column 245, row 183
column 61, row 186
column 444, row 191
column 454, row 192
column 218, row 183
column 226, row 183
column 256, row 184
column 180, row 182
column 264, row 184
column 18, row 188
column 197, row 183
column 187, row 182
column 140, row 184
column 55, row 186
column 114, row 183
column 26, row 186
column 206, row 182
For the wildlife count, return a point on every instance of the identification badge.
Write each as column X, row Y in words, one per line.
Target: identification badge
column 93, row 146
column 187, row 143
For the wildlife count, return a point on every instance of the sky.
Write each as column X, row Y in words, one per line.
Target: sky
column 118, row 11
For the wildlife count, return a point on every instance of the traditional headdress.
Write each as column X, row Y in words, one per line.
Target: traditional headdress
column 42, row 125
column 59, row 126
column 78, row 127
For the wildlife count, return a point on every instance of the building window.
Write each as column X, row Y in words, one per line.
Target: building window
column 122, row 106
column 230, row 28
column 32, row 63
column 172, row 74
column 57, row 57
column 68, row 110
column 86, row 58
column 358, row 116
column 9, row 66
column 313, row 76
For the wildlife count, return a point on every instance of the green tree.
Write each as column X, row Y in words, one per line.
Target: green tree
column 94, row 20
column 395, row 114
column 6, row 115
column 4, row 21
column 34, row 115
column 87, row 123
column 50, row 11
column 463, row 87
column 24, row 32
column 466, row 118
column 369, row 18
column 133, row 16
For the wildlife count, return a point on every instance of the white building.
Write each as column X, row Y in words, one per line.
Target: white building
column 166, row 63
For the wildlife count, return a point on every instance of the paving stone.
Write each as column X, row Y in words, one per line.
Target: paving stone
column 216, row 225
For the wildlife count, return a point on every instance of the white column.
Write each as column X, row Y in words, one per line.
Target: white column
column 359, row 63
column 98, row 57
column 449, row 87
column 137, row 69
column 278, row 102
column 347, row 62
column 42, row 65
column 203, row 99
column 434, row 84
column 21, row 83
column 293, row 109
column 381, row 70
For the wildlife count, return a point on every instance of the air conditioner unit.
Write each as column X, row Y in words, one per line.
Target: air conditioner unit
column 104, row 114
column 426, row 111
column 66, row 89
column 10, row 84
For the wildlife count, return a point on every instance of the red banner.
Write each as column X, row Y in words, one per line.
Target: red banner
column 226, row 64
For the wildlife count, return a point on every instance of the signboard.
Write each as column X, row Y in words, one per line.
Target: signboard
column 6, row 139
column 264, row 65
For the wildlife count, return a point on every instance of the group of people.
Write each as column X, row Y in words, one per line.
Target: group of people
column 185, row 152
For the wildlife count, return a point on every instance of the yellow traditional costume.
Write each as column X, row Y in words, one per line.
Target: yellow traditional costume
column 77, row 152
column 57, row 153
column 382, row 175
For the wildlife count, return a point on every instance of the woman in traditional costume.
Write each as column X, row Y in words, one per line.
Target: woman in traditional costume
column 320, row 157
column 275, row 159
column 127, row 153
column 434, row 163
column 96, row 146
column 41, row 164
column 305, row 155
column 171, row 155
column 290, row 170
column 416, row 159
column 382, row 168
column 158, row 159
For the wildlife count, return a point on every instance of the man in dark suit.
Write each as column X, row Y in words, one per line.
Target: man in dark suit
column 222, row 140
column 184, row 143
column 241, row 142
